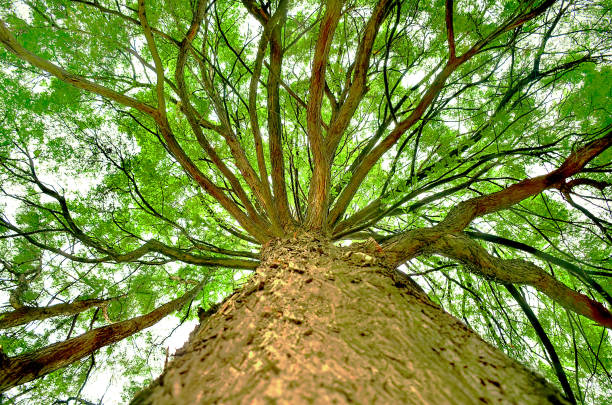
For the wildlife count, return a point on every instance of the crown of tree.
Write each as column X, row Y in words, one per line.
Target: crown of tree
column 150, row 149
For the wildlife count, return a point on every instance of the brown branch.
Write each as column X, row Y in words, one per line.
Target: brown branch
column 411, row 243
column 195, row 123
column 213, row 190
column 375, row 211
column 159, row 67
column 271, row 35
column 253, row 117
column 27, row 367
column 261, row 192
column 9, row 41
column 450, row 30
column 292, row 93
column 151, row 246
column 77, row 232
column 583, row 275
column 461, row 216
column 332, row 101
column 275, row 127
column 432, row 92
column 159, row 247
column 517, row 271
column 319, row 187
column 29, row 314
column 257, row 12
column 599, row 185
column 358, row 87
column 124, row 17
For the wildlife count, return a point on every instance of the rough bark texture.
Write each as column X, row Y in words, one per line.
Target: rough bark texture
column 321, row 324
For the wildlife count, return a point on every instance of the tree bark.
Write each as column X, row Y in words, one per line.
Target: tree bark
column 321, row 324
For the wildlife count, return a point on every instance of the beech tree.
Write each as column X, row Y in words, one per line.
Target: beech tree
column 403, row 200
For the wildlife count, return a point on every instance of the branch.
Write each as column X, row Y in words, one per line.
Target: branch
column 319, row 188
column 450, row 31
column 271, row 35
column 517, row 271
column 159, row 67
column 252, row 107
column 213, row 190
column 156, row 246
column 261, row 191
column 461, row 216
column 28, row 314
column 96, row 4
column 566, row 190
column 375, row 211
column 27, row 367
column 277, row 158
column 570, row 267
column 410, row 244
column 9, row 41
column 194, row 122
column 78, row 81
column 357, row 88
column 550, row 349
column 151, row 246
column 432, row 92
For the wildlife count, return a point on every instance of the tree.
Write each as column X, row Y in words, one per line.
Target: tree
column 374, row 161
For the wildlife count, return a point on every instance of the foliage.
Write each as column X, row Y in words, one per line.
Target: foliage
column 88, row 177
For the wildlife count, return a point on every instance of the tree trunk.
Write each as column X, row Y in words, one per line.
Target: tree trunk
column 321, row 324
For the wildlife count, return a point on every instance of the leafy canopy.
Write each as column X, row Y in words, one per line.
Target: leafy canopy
column 147, row 146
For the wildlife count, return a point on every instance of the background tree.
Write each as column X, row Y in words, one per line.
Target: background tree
column 153, row 154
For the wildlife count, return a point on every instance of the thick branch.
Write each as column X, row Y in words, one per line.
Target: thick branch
column 461, row 216
column 409, row 244
column 187, row 164
column 159, row 67
column 517, row 271
column 277, row 158
column 28, row 314
column 570, row 267
column 151, row 246
column 260, row 188
column 173, row 146
column 194, row 122
column 253, row 86
column 27, row 367
column 319, row 187
column 187, row 257
column 358, row 87
column 271, row 35
column 450, row 31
